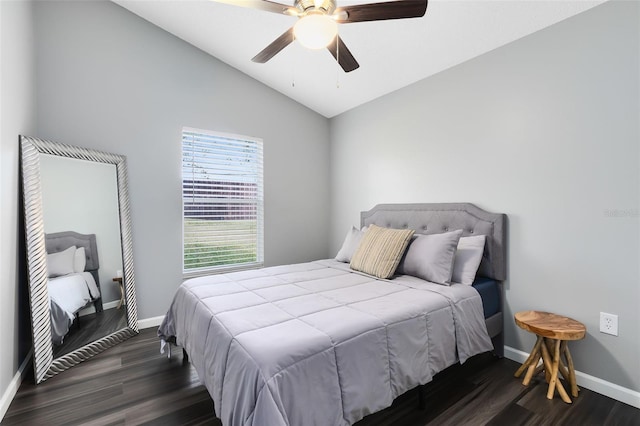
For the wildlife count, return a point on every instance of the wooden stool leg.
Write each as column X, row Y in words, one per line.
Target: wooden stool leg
column 572, row 371
column 531, row 362
column 561, row 368
column 546, row 359
column 531, row 370
column 554, row 369
column 549, row 366
column 539, row 369
column 547, row 372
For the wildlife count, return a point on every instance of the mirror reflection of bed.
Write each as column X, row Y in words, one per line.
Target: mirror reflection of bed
column 79, row 315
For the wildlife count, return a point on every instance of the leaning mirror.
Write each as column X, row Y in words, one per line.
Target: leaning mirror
column 79, row 253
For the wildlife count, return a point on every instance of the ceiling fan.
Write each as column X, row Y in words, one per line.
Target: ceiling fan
column 317, row 25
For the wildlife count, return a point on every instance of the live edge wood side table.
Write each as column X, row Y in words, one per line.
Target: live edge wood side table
column 552, row 331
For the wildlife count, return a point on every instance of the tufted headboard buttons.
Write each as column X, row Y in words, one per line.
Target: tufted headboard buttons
column 436, row 218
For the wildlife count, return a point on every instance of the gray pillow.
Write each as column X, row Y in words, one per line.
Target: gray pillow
column 431, row 257
column 350, row 244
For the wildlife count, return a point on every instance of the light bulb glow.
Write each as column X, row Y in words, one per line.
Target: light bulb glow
column 315, row 31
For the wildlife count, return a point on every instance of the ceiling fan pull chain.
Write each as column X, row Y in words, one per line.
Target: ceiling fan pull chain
column 295, row 62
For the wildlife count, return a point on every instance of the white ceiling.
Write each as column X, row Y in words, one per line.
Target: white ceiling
column 392, row 54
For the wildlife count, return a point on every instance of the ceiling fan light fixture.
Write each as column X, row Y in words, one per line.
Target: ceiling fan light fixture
column 315, row 30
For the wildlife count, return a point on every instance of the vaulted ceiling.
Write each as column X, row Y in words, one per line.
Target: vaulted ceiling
column 392, row 54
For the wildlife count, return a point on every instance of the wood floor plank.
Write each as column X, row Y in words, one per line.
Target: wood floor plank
column 590, row 409
column 622, row 414
column 503, row 390
column 553, row 411
column 133, row 384
column 511, row 414
column 191, row 414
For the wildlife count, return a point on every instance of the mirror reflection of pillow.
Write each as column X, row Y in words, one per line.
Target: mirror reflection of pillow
column 61, row 263
column 79, row 260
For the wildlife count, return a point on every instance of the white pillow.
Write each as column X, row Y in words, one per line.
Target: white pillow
column 350, row 244
column 79, row 260
column 468, row 258
column 61, row 263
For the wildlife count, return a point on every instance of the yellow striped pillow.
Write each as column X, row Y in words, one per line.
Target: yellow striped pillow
column 380, row 251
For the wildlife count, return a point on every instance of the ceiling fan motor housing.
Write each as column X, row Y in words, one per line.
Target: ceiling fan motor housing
column 322, row 6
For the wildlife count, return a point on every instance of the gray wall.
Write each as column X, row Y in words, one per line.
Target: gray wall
column 17, row 115
column 545, row 129
column 106, row 79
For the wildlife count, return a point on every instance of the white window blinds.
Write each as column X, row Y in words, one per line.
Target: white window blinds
column 222, row 198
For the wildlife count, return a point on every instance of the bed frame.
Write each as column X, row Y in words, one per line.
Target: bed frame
column 436, row 218
column 60, row 241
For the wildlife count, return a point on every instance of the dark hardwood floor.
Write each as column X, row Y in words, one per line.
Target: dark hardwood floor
column 132, row 384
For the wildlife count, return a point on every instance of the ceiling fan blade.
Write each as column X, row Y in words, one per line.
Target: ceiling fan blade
column 276, row 46
column 346, row 59
column 266, row 5
column 381, row 11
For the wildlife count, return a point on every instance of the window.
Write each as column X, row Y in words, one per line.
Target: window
column 222, row 198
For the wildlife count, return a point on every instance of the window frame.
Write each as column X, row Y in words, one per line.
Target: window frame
column 210, row 270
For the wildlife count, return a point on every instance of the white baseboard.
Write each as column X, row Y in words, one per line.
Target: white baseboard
column 619, row 393
column 150, row 322
column 92, row 310
column 14, row 385
column 110, row 305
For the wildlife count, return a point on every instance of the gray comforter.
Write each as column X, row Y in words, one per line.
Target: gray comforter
column 317, row 343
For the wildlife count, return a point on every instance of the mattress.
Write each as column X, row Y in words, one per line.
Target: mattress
column 489, row 291
column 68, row 294
column 317, row 343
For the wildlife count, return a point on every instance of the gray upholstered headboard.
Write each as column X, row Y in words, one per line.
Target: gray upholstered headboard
column 60, row 241
column 436, row 218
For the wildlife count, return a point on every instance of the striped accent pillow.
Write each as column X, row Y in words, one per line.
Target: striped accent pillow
column 380, row 251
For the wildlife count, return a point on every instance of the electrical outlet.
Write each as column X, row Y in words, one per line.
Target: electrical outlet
column 608, row 323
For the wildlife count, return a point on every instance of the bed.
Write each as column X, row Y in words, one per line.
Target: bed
column 321, row 344
column 71, row 286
